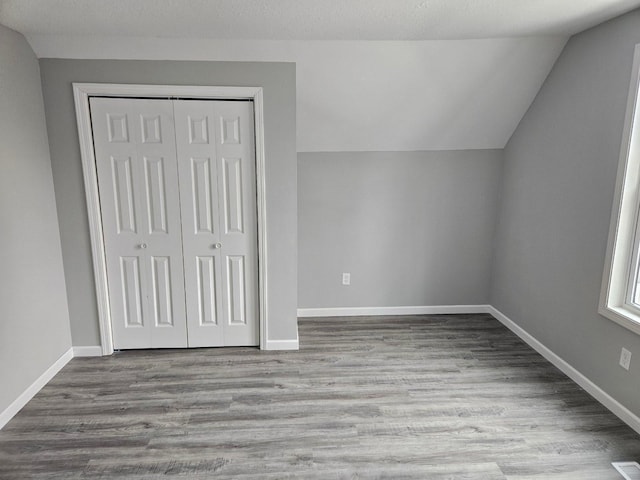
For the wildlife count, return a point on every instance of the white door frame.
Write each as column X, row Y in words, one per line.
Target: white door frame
column 81, row 93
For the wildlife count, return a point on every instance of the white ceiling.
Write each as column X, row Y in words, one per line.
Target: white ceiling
column 372, row 75
column 310, row 19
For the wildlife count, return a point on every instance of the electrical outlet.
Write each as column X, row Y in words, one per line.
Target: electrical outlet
column 346, row 279
column 625, row 358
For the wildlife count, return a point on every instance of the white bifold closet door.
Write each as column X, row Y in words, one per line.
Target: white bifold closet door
column 178, row 200
column 215, row 142
column 137, row 165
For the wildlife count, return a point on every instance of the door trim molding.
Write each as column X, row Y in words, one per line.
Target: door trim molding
column 81, row 94
column 283, row 344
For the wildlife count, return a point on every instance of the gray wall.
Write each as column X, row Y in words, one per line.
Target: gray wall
column 559, row 179
column 278, row 81
column 34, row 319
column 412, row 228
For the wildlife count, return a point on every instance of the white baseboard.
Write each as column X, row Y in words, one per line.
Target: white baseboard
column 622, row 412
column 283, row 345
column 89, row 351
column 34, row 388
column 378, row 311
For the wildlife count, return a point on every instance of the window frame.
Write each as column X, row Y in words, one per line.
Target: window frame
column 623, row 246
column 633, row 274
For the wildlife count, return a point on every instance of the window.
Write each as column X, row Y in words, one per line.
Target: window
column 620, row 297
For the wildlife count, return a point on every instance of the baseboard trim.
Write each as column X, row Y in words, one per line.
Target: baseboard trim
column 87, row 351
column 283, row 345
column 34, row 388
column 622, row 412
column 378, row 311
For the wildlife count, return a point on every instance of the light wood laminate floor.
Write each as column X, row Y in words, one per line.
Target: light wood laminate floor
column 415, row 397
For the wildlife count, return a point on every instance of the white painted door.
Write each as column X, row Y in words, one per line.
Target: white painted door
column 179, row 221
column 134, row 142
column 216, row 156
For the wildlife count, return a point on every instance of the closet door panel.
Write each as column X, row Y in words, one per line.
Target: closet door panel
column 217, row 179
column 237, row 197
column 198, row 172
column 134, row 143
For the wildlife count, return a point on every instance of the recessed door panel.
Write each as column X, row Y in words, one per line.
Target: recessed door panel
column 202, row 195
column 233, row 208
column 207, row 291
column 162, row 291
column 123, row 194
column 198, row 129
column 236, row 289
column 230, row 130
column 131, row 292
column 151, row 128
column 118, row 128
column 156, row 194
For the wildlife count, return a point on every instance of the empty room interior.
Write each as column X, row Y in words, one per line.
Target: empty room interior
column 320, row 239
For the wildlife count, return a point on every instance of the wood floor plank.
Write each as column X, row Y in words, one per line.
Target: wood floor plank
column 411, row 397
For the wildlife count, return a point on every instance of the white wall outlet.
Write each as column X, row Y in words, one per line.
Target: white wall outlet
column 346, row 279
column 625, row 358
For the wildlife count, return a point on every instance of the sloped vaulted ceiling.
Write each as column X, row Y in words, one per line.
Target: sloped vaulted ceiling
column 371, row 74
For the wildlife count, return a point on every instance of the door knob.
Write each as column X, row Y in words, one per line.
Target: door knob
column 217, row 245
column 143, row 245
